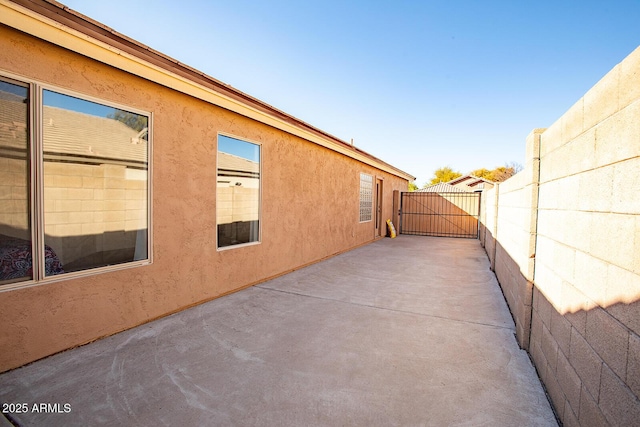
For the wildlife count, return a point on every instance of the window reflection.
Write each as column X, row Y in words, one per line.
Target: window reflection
column 16, row 260
column 95, row 182
column 238, row 192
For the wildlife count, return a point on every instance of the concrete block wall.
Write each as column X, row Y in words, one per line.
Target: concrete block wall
column 14, row 193
column 488, row 222
column 587, row 264
column 88, row 208
column 95, row 204
column 584, row 329
column 237, row 204
column 510, row 236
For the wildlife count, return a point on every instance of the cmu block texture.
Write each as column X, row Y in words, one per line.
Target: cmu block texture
column 584, row 314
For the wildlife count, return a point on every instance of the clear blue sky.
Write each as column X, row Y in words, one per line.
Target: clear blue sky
column 420, row 84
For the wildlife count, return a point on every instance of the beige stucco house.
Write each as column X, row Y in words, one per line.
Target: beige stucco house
column 133, row 186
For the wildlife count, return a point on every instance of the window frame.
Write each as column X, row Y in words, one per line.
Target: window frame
column 260, row 211
column 35, row 157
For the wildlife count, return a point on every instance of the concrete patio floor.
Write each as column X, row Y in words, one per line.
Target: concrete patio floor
column 406, row 331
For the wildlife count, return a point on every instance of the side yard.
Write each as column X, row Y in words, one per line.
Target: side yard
column 405, row 331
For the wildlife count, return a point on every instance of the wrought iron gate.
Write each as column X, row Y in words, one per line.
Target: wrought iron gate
column 440, row 214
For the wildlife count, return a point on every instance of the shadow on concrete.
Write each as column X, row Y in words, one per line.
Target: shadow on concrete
column 587, row 356
column 405, row 331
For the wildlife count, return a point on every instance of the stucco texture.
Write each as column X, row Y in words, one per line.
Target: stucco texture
column 309, row 211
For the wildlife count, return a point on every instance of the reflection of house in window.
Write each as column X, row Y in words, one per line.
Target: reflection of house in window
column 15, row 225
column 237, row 171
column 95, row 189
column 238, row 192
column 94, row 186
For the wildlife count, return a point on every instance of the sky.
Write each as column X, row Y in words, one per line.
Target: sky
column 419, row 84
column 244, row 149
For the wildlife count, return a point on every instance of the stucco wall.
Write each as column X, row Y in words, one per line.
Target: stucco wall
column 309, row 211
column 584, row 334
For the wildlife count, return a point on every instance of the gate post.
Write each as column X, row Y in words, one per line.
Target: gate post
column 396, row 209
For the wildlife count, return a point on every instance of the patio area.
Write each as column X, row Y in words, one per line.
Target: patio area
column 406, row 331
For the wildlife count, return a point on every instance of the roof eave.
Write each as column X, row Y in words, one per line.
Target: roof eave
column 83, row 35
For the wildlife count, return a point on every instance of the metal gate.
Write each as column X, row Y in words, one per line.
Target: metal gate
column 440, row 214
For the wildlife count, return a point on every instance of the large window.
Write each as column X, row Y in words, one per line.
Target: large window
column 366, row 197
column 238, row 192
column 15, row 182
column 78, row 175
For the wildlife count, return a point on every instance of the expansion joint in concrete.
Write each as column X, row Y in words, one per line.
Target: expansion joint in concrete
column 386, row 308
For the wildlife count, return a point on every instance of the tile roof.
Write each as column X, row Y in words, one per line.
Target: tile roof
column 70, row 132
column 470, row 182
column 13, row 119
column 229, row 162
column 441, row 187
column 70, row 135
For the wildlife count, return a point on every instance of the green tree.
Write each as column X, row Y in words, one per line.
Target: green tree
column 413, row 186
column 482, row 173
column 444, row 174
column 505, row 172
column 134, row 121
column 499, row 174
column 502, row 173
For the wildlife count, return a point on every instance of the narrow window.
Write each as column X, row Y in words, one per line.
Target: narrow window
column 366, row 197
column 238, row 192
column 95, row 169
column 16, row 249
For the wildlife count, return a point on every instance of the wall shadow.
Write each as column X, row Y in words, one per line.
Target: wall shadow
column 587, row 356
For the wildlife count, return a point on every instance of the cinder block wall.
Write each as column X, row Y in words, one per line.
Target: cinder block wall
column 80, row 200
column 95, row 203
column 584, row 333
column 14, row 218
column 238, row 204
column 513, row 239
column 488, row 223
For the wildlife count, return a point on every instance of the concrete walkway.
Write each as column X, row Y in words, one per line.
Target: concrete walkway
column 409, row 331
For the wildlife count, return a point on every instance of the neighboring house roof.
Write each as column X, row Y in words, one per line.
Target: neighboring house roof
column 441, row 187
column 237, row 171
column 45, row 16
column 471, row 183
column 13, row 119
column 71, row 136
column 230, row 165
column 77, row 134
